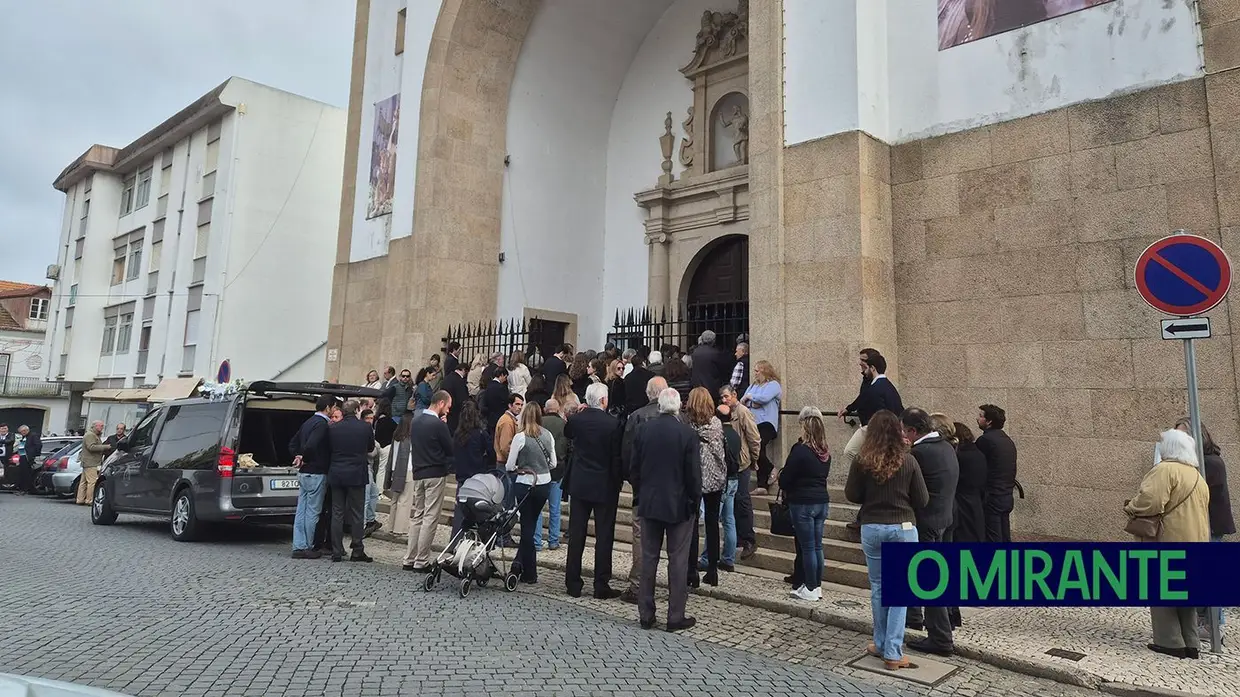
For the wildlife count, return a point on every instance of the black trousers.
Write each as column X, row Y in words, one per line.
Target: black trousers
column 526, row 565
column 26, row 475
column 677, row 535
column 604, row 538
column 998, row 526
column 323, row 530
column 744, row 509
column 767, row 432
column 712, row 538
column 937, row 619
column 350, row 500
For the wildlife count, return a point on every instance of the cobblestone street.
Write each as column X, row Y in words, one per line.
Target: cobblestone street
column 128, row 609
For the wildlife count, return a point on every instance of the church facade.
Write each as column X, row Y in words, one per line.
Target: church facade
column 959, row 183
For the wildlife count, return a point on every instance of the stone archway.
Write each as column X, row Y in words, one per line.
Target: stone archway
column 719, row 273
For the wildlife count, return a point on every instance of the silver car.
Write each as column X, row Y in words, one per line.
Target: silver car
column 61, row 472
column 24, row 685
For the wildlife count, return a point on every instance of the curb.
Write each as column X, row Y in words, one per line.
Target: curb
column 1061, row 674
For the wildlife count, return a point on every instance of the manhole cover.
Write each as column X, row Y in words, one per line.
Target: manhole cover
column 1064, row 653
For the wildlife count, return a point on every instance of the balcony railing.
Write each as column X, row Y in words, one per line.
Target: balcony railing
column 12, row 386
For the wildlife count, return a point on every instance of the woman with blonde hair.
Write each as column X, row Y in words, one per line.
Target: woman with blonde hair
column 763, row 399
column 473, row 379
column 886, row 480
column 803, row 483
column 531, row 457
column 564, row 394
column 518, row 373
column 700, row 415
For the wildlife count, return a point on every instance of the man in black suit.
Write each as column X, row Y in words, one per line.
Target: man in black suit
column 941, row 471
column 557, row 364
column 710, row 368
column 1000, row 454
column 31, row 449
column 594, row 481
column 877, row 393
column 667, row 480
column 454, row 384
column 494, row 398
column 654, row 387
column 351, row 441
column 635, row 384
column 311, row 455
column 451, row 361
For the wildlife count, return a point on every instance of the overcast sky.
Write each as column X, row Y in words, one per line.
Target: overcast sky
column 78, row 72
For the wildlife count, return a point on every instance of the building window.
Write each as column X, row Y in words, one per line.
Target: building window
column 38, row 308
column 212, row 161
column 118, row 268
column 77, row 248
column 123, row 334
column 157, row 248
column 72, row 294
column 82, row 222
column 127, row 191
column 109, row 336
column 202, row 241
column 144, row 339
column 135, row 261
column 143, row 196
column 400, row 31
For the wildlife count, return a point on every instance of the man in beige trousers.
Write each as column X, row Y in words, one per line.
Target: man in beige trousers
column 93, row 452
column 430, row 460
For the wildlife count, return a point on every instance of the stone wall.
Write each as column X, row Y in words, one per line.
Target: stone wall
column 1014, row 250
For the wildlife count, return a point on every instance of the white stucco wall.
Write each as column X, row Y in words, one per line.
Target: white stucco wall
column 573, row 63
column 388, row 74
column 653, row 86
column 1119, row 47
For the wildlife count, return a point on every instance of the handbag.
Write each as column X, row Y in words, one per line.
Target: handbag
column 1150, row 526
column 781, row 517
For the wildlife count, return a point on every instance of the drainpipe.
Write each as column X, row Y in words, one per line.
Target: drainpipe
column 230, row 198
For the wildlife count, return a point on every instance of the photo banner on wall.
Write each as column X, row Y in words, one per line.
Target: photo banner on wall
column 383, row 157
column 962, row 21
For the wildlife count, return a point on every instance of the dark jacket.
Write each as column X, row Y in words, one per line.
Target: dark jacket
column 668, row 475
column 635, row 388
column 595, row 471
column 538, row 397
column 475, row 456
column 456, row 386
column 969, row 520
column 34, row 445
column 1221, row 521
column 580, row 385
column 616, row 403
column 874, row 397
column 430, row 447
column 941, row 471
column 493, row 402
column 399, row 395
column 385, row 427
column 310, row 442
column 636, row 419
column 891, row 502
column 450, row 363
column 554, row 423
column 488, row 373
column 1000, row 454
column 710, row 369
column 804, row 476
column 732, row 451
column 552, row 369
column 351, row 441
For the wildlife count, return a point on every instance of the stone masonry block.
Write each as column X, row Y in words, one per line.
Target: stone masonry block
column 1052, row 179
column 1193, row 206
column 1129, row 413
column 926, row 198
column 1005, row 365
column 927, row 365
column 1102, row 363
column 961, row 236
column 1029, row 138
column 821, row 159
column 1112, row 121
column 1041, row 224
column 1052, row 412
column 906, row 163
column 1039, row 318
column 1164, row 159
column 1182, row 106
column 1223, row 96
column 996, row 187
column 822, row 198
column 1160, row 364
column 1214, row 12
column 1131, row 213
column 1100, row 266
column 1222, row 43
column 908, row 239
column 956, row 152
column 1226, row 140
column 1093, row 171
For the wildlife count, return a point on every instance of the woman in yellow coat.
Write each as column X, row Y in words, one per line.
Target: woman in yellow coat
column 1174, row 491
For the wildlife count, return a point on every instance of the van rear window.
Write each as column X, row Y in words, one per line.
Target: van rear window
column 190, row 436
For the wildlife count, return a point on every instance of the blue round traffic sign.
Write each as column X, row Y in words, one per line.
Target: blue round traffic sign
column 225, row 372
column 1183, row 275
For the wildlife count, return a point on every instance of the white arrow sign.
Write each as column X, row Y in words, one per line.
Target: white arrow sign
column 1191, row 328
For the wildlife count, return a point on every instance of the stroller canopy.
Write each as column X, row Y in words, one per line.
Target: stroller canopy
column 487, row 487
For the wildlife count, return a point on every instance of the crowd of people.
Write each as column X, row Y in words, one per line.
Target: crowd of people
column 692, row 434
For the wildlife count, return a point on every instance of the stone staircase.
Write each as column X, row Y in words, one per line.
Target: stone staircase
column 845, row 562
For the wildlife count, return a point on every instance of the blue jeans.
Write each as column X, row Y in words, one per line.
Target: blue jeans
column 372, row 498
column 727, row 521
column 807, row 520
column 554, row 505
column 888, row 621
column 309, row 506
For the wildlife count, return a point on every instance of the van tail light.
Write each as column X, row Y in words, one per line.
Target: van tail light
column 63, row 464
column 227, row 462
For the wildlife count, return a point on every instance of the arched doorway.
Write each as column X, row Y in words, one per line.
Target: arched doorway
column 717, row 292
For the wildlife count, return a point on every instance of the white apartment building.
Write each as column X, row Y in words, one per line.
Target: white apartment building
column 210, row 237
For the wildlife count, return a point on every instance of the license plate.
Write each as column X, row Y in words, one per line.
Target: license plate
column 285, row 484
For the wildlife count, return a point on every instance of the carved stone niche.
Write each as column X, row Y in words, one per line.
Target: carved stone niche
column 720, row 74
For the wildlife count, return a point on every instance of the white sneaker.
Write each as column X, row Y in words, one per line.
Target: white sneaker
column 796, row 592
column 804, row 593
column 817, row 593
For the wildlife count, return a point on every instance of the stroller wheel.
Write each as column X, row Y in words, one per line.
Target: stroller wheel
column 465, row 584
column 510, row 583
column 432, row 577
column 481, row 581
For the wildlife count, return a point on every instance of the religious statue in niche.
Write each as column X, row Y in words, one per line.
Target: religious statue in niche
column 721, row 30
column 739, row 123
column 686, row 143
column 729, row 136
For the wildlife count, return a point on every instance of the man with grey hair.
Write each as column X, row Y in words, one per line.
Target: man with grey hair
column 593, row 482
column 350, row 441
column 654, row 386
column 740, row 371
column 496, row 362
column 628, row 356
column 93, row 452
column 667, row 481
column 710, row 368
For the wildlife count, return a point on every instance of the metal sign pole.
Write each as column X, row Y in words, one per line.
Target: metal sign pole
column 1194, row 416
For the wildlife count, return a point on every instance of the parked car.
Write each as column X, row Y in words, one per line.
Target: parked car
column 53, row 463
column 25, row 685
column 196, row 461
column 53, row 445
column 68, row 472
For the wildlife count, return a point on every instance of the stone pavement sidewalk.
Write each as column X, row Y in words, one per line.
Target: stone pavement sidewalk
column 1112, row 639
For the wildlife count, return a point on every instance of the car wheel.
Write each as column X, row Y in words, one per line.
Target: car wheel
column 185, row 525
column 76, row 483
column 101, row 511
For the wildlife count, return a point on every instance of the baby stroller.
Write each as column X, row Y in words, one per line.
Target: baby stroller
column 486, row 523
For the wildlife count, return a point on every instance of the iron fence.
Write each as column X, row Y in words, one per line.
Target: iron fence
column 681, row 327
column 534, row 337
column 13, row 386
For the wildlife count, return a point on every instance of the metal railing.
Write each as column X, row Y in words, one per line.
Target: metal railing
column 13, row 386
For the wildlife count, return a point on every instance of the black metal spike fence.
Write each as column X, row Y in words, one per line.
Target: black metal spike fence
column 531, row 336
column 681, row 326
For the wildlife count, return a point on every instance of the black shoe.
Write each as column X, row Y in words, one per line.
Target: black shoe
column 630, row 596
column 748, row 549
column 695, row 582
column 711, row 579
column 371, row 528
column 1192, row 653
column 727, row 567
column 916, row 626
column 1175, row 653
column 647, row 624
column 360, row 556
column 337, row 557
column 305, row 554
column 924, row 646
column 529, row 580
column 415, row 568
column 606, row 594
column 574, row 592
column 686, row 623
column 793, row 580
